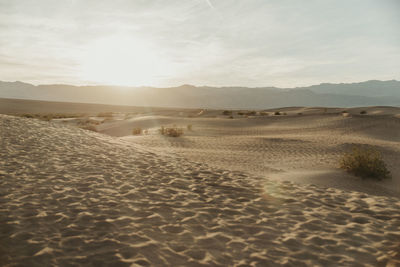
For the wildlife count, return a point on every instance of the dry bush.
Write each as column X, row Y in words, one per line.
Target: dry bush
column 277, row 113
column 171, row 131
column 137, row 131
column 226, row 112
column 362, row 112
column 262, row 113
column 366, row 163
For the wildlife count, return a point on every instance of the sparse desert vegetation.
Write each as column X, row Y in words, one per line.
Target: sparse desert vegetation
column 363, row 112
column 171, row 131
column 365, row 163
column 277, row 113
column 137, row 131
column 227, row 112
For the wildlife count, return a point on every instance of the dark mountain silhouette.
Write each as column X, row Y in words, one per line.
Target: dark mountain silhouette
column 370, row 93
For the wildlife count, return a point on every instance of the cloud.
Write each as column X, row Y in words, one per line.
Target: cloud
column 251, row 43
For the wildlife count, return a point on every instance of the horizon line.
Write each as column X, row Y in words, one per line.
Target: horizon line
column 186, row 84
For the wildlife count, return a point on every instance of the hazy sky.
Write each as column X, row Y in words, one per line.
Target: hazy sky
column 202, row 42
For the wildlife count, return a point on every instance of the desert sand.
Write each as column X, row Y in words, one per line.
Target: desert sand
column 224, row 194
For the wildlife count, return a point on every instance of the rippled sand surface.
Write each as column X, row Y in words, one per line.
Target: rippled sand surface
column 74, row 197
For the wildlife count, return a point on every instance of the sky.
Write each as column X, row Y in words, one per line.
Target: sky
column 254, row 43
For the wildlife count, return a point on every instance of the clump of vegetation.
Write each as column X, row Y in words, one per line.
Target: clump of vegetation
column 277, row 113
column 362, row 112
column 227, row 112
column 171, row 131
column 366, row 163
column 137, row 131
column 231, row 117
column 299, row 113
column 247, row 113
column 262, row 113
column 189, row 127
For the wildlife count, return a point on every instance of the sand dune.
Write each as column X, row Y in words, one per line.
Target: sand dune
column 74, row 197
column 301, row 148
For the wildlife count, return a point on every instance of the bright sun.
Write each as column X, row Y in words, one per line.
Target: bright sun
column 122, row 60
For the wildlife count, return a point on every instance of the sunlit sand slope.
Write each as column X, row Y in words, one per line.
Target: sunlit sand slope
column 73, row 197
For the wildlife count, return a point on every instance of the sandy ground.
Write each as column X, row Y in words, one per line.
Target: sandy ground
column 302, row 148
column 75, row 197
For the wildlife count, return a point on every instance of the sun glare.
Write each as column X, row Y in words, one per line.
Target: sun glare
column 121, row 60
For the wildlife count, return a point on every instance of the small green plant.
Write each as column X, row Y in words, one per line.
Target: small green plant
column 366, row 163
column 137, row 131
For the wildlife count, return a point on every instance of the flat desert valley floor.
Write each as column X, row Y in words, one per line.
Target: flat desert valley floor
column 234, row 190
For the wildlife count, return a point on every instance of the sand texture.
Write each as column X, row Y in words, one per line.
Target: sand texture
column 300, row 148
column 74, row 197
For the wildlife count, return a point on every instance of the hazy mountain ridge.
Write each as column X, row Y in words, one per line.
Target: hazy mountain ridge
column 369, row 93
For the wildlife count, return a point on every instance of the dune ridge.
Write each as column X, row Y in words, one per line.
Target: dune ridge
column 74, row 197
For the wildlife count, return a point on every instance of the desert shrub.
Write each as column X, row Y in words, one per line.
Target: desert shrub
column 251, row 113
column 362, row 112
column 226, row 112
column 189, row 127
column 262, row 113
column 137, row 131
column 171, row 131
column 277, row 113
column 231, row 117
column 299, row 113
column 366, row 163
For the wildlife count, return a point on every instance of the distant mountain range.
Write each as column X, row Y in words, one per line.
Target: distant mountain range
column 369, row 93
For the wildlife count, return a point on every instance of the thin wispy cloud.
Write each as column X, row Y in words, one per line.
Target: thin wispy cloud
column 204, row 42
